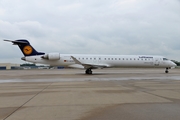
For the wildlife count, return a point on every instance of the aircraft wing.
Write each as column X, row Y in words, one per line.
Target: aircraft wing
column 89, row 65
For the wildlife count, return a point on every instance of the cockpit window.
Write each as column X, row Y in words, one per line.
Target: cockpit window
column 165, row 59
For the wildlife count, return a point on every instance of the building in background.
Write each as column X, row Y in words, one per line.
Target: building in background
column 9, row 66
column 12, row 66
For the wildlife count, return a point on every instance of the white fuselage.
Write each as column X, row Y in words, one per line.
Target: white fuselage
column 105, row 60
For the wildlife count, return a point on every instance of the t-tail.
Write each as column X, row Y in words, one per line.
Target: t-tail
column 25, row 47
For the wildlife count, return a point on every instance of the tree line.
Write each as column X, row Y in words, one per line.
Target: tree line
column 177, row 63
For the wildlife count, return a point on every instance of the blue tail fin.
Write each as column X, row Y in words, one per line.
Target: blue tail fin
column 26, row 47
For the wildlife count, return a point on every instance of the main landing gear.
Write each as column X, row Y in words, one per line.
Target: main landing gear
column 89, row 71
column 166, row 71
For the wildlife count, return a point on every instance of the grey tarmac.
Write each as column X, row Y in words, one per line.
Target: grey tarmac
column 108, row 94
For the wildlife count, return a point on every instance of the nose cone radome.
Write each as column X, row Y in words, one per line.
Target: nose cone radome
column 173, row 64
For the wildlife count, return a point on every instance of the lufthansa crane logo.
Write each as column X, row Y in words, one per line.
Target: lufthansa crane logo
column 27, row 50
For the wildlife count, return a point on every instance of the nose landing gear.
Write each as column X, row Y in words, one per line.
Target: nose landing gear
column 166, row 71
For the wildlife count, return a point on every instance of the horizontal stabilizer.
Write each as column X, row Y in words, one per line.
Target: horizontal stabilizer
column 16, row 42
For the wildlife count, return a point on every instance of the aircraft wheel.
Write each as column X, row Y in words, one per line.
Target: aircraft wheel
column 88, row 71
column 166, row 71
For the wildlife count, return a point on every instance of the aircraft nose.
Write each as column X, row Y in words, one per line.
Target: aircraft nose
column 173, row 64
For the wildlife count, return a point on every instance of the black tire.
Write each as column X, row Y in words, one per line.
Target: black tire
column 88, row 71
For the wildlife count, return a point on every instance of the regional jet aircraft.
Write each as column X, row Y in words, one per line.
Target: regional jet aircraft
column 89, row 62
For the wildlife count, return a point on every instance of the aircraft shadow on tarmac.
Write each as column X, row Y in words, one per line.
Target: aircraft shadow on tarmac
column 94, row 74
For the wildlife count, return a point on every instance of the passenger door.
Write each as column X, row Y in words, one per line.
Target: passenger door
column 156, row 62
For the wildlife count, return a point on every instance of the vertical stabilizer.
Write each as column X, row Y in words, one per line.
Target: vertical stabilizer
column 26, row 47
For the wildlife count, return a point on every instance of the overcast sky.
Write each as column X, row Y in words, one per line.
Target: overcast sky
column 132, row 27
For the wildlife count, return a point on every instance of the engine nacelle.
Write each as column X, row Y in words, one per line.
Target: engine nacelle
column 52, row 56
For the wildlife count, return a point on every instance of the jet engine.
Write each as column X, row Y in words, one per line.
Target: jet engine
column 51, row 56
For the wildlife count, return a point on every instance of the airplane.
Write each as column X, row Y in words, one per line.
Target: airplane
column 89, row 62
